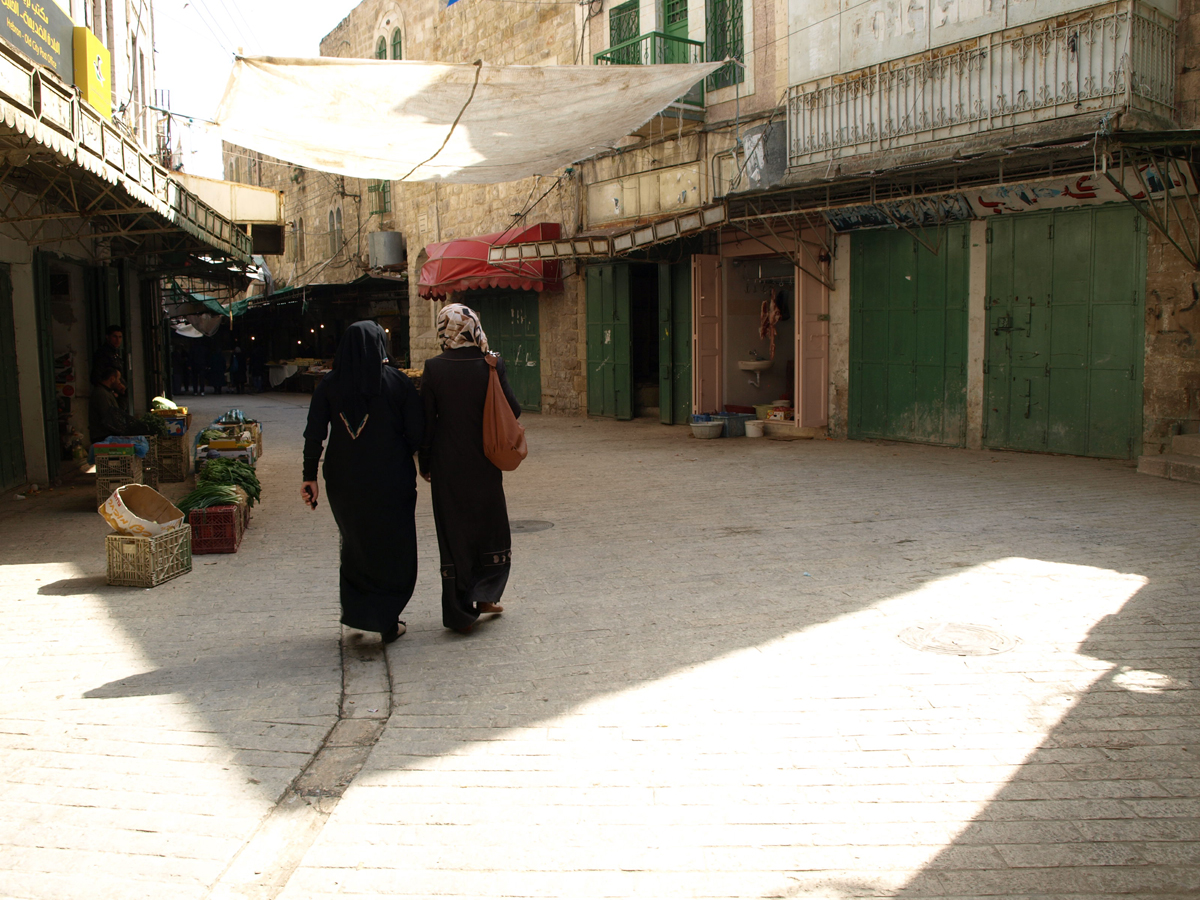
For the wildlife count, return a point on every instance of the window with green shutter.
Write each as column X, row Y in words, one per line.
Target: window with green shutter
column 381, row 48
column 397, row 47
column 623, row 25
column 382, row 191
column 725, row 40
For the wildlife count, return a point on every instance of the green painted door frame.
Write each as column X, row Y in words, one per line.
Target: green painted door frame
column 674, row 343
column 609, row 373
column 510, row 320
column 12, row 440
column 1065, row 332
column 908, row 337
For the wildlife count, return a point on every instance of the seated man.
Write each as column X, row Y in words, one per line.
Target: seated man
column 106, row 415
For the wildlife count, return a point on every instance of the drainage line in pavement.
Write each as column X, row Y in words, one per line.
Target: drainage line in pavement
column 262, row 868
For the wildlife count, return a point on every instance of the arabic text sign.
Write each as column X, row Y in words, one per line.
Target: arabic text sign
column 1068, row 190
column 40, row 31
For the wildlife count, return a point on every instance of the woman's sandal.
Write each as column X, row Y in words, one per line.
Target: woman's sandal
column 389, row 636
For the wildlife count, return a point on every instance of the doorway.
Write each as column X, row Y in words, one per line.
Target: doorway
column 510, row 320
column 1065, row 332
column 639, row 341
column 12, row 440
column 908, row 337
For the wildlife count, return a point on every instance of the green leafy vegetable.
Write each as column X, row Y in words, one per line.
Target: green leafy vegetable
column 206, row 495
column 223, row 471
column 155, row 424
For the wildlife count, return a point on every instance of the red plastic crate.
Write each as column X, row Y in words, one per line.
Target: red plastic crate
column 217, row 529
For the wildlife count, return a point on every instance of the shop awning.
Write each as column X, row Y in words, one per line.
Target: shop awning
column 462, row 265
column 431, row 121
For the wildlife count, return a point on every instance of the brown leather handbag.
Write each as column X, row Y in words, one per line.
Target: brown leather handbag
column 503, row 436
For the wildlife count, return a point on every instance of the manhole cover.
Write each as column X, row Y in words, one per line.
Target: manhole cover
column 958, row 639
column 525, row 526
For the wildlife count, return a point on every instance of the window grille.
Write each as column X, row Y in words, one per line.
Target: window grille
column 383, row 196
column 676, row 11
column 381, row 48
column 397, row 47
column 725, row 39
column 623, row 25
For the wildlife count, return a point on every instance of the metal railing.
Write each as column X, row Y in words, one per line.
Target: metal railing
column 1118, row 55
column 654, row 48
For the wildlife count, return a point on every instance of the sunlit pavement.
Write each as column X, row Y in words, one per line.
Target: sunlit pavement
column 717, row 676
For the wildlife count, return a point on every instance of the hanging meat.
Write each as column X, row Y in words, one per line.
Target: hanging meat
column 769, row 318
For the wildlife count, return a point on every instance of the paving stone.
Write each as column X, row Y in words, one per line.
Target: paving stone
column 697, row 689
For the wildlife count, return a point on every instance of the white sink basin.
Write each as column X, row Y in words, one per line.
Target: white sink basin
column 754, row 365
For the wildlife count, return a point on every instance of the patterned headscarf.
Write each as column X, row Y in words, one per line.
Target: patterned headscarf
column 458, row 326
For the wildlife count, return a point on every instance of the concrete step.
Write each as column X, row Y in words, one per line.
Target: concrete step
column 1186, row 445
column 1176, row 466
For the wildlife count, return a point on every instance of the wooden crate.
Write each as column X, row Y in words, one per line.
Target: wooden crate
column 149, row 561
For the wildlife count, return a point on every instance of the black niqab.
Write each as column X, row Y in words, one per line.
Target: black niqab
column 358, row 370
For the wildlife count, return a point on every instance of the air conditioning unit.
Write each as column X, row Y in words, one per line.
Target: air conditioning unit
column 387, row 250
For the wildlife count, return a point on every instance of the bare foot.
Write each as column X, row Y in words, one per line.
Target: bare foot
column 490, row 608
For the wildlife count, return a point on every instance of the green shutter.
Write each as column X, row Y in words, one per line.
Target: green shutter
column 1065, row 332
column 725, row 40
column 609, row 374
column 510, row 320
column 624, row 25
column 908, row 337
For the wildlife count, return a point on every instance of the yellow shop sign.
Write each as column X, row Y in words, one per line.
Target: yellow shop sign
column 93, row 71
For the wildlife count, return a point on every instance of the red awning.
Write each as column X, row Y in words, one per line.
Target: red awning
column 462, row 265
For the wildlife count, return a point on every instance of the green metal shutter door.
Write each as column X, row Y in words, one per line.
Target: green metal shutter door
column 681, row 351
column 908, row 337
column 510, row 320
column 12, row 442
column 609, row 374
column 674, row 343
column 1065, row 332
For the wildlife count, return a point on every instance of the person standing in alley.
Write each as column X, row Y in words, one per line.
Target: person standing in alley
column 372, row 417
column 237, row 369
column 469, row 509
column 109, row 355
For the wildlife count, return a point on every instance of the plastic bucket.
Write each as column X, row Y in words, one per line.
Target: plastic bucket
column 755, row 428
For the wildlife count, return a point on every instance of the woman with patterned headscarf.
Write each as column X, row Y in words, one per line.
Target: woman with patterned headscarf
column 372, row 416
column 468, row 491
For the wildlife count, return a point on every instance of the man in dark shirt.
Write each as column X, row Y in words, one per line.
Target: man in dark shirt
column 109, row 356
column 106, row 415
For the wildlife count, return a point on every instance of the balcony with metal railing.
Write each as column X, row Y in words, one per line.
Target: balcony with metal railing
column 1114, row 57
column 653, row 48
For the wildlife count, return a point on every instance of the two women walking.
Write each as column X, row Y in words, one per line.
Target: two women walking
column 375, row 421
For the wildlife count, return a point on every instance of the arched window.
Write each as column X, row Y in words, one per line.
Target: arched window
column 300, row 241
column 333, row 247
column 381, row 48
column 341, row 237
column 397, row 48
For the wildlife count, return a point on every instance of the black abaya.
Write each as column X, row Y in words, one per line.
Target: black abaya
column 468, row 491
column 370, row 483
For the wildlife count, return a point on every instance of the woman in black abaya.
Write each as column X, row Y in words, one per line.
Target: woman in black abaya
column 370, row 479
column 468, row 491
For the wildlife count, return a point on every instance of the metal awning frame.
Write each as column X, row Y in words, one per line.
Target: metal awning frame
column 1172, row 163
column 80, row 171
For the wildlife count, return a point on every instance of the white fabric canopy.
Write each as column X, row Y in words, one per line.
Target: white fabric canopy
column 380, row 119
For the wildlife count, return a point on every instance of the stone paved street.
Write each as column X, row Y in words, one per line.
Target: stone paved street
column 699, row 687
